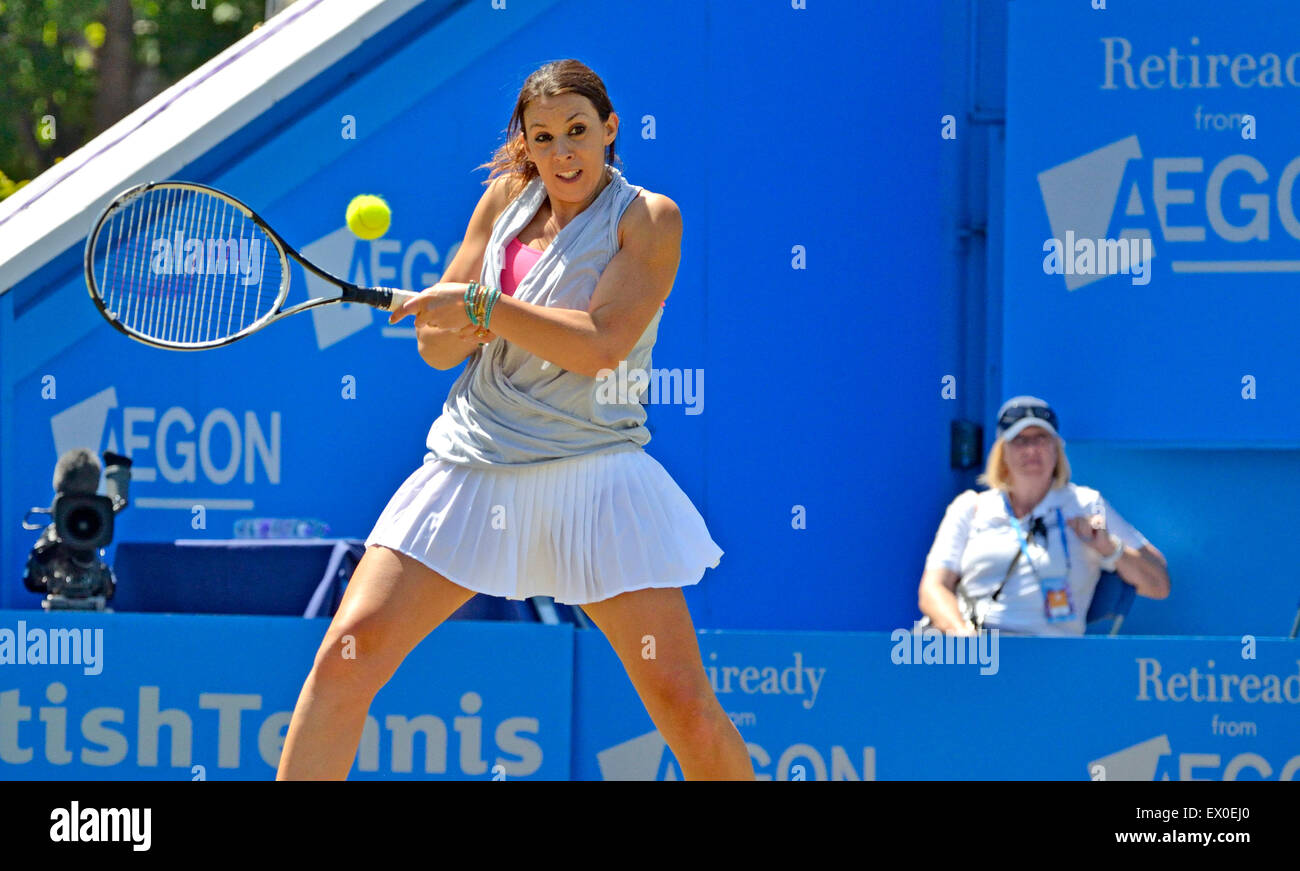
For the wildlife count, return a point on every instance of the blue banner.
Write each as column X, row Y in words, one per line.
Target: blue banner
column 917, row 706
column 162, row 697
column 1152, row 241
column 181, row 697
column 791, row 696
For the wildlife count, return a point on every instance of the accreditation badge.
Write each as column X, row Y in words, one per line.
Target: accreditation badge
column 1057, row 602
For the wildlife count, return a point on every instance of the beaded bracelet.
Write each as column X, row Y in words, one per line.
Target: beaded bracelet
column 493, row 295
column 479, row 307
column 469, row 306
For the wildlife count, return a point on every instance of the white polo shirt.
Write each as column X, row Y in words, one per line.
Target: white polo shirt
column 976, row 540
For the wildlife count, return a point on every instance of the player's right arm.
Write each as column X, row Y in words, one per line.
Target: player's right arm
column 446, row 349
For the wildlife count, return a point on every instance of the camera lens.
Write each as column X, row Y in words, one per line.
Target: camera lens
column 83, row 523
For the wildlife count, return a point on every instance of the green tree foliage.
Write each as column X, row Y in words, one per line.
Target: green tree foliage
column 69, row 69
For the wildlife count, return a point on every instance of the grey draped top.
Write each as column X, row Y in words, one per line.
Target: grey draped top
column 511, row 407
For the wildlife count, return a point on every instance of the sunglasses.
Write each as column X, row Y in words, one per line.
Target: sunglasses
column 1020, row 412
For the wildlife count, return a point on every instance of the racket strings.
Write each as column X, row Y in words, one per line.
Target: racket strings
column 185, row 267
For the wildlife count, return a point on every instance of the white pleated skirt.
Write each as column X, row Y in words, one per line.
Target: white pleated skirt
column 579, row 530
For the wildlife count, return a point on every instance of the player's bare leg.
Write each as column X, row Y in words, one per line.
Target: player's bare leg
column 392, row 602
column 673, row 685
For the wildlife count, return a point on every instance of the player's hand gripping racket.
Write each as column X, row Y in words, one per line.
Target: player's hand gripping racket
column 184, row 266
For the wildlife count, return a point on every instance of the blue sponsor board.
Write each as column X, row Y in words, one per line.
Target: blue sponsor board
column 1152, row 240
column 860, row 706
column 775, row 688
column 182, row 697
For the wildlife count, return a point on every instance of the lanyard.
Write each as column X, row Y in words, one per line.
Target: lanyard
column 1065, row 544
column 1024, row 544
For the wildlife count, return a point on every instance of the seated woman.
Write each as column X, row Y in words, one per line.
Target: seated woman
column 1025, row 555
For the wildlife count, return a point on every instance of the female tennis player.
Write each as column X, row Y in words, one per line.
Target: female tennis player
column 536, row 481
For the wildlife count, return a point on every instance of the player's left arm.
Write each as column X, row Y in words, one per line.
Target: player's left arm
column 630, row 290
column 640, row 276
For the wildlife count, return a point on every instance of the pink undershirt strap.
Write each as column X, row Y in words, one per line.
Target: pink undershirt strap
column 518, row 260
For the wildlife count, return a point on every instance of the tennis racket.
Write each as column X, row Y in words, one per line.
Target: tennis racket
column 186, row 267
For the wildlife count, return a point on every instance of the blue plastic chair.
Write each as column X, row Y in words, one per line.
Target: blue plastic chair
column 1111, row 601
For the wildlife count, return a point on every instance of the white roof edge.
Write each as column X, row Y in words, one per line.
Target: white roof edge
column 179, row 125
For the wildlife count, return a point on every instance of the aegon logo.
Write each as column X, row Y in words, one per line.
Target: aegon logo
column 645, row 758
column 373, row 263
column 1183, row 198
column 1154, row 759
column 219, row 443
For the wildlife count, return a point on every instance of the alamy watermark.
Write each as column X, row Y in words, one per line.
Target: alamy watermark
column 93, row 824
column 1130, row 256
column 177, row 255
column 37, row 646
column 929, row 646
column 667, row 386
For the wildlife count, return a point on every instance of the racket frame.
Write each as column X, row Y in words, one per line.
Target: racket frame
column 385, row 298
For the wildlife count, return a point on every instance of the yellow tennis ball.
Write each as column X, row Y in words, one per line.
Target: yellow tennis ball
column 368, row 216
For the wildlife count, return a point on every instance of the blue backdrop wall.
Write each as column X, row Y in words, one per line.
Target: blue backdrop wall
column 804, row 149
column 804, row 305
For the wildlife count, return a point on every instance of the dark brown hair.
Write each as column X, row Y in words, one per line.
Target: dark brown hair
column 550, row 80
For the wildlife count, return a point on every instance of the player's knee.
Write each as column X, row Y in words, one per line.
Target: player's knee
column 687, row 697
column 353, row 658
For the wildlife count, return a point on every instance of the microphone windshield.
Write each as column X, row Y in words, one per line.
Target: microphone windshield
column 77, row 472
